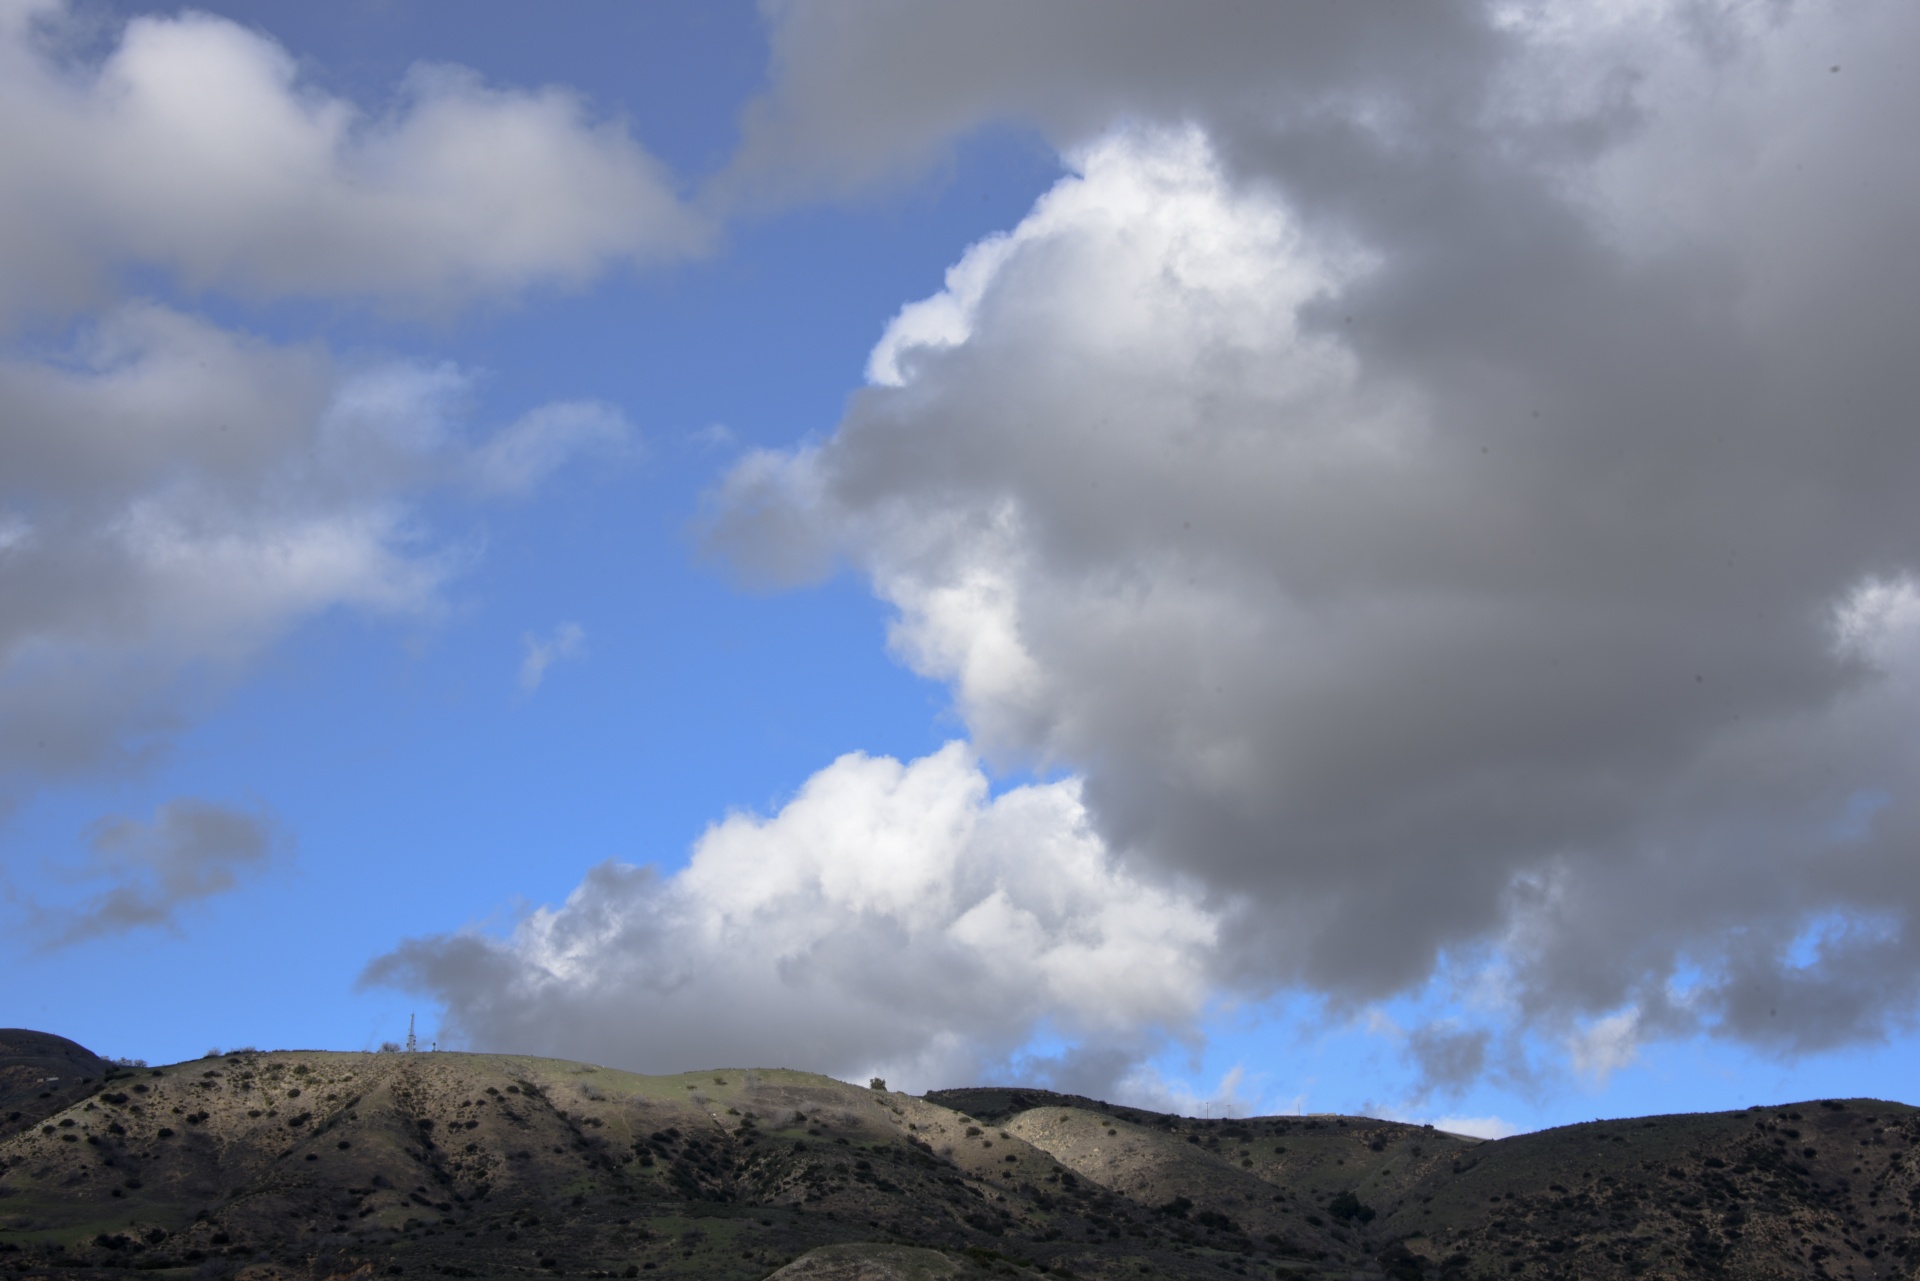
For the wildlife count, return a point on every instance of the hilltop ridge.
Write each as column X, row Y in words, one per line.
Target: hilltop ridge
column 315, row 1164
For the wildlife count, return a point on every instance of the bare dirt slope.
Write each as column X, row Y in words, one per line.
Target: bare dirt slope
column 871, row 1263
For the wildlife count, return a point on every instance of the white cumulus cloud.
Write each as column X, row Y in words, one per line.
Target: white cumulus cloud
column 892, row 919
column 194, row 147
column 177, row 494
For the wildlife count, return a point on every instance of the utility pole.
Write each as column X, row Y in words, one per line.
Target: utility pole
column 413, row 1042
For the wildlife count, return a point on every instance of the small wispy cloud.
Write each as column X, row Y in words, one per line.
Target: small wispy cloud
column 567, row 641
column 1448, row 1057
column 189, row 851
column 1606, row 1045
column 514, row 461
column 714, row 436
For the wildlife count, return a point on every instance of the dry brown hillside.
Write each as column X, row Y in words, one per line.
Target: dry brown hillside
column 311, row 1164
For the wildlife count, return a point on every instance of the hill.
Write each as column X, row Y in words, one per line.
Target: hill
column 314, row 1164
column 40, row 1074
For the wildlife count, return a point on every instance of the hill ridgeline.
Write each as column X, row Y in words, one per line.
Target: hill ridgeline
column 312, row 1165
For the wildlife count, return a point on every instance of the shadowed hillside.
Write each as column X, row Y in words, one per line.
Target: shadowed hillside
column 311, row 1164
column 40, row 1074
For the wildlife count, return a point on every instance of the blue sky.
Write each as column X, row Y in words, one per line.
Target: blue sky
column 1269, row 562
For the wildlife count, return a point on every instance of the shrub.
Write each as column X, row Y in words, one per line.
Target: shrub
column 1347, row 1206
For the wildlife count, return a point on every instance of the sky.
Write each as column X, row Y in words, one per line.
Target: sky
column 1237, row 558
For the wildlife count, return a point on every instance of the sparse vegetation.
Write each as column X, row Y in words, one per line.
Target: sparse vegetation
column 633, row 1171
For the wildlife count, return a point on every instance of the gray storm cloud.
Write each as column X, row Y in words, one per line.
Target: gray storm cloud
column 1448, row 490
column 864, row 90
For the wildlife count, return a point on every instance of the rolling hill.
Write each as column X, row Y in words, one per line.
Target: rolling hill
column 312, row 1164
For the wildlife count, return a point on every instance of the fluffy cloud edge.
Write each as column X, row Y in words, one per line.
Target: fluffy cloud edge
column 893, row 918
column 195, row 147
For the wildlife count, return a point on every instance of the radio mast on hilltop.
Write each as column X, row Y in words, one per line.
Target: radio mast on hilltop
column 413, row 1042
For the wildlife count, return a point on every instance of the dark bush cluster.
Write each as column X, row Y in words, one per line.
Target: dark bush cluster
column 1347, row 1206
